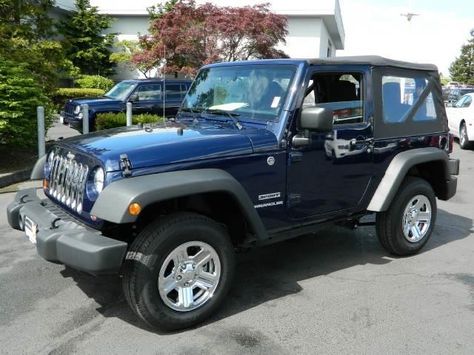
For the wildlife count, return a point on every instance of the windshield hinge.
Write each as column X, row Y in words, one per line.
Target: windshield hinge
column 125, row 165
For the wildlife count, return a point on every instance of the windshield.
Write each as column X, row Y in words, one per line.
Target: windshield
column 121, row 90
column 256, row 91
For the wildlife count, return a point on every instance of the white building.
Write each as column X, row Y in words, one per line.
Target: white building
column 315, row 28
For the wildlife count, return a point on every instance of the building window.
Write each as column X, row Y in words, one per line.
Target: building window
column 329, row 52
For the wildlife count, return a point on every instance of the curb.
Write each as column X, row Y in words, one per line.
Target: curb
column 15, row 177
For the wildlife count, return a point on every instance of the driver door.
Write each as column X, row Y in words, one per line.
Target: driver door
column 331, row 173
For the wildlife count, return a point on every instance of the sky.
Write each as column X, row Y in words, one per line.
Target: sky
column 435, row 36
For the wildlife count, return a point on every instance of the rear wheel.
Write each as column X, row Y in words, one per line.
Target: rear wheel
column 178, row 271
column 464, row 142
column 408, row 223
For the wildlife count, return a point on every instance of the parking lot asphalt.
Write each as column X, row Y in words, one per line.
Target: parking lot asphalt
column 337, row 292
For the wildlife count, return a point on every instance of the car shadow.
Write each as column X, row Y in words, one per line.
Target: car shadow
column 271, row 272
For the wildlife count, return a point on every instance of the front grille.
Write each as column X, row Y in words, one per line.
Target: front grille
column 69, row 108
column 67, row 182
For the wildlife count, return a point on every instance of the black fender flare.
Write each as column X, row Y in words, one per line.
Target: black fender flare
column 112, row 203
column 38, row 170
column 398, row 169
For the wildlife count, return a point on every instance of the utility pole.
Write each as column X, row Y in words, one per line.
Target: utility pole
column 164, row 83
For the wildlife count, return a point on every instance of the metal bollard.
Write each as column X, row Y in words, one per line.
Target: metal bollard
column 85, row 119
column 41, row 133
column 129, row 114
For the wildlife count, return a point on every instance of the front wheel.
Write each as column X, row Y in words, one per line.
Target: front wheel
column 178, row 271
column 464, row 142
column 409, row 221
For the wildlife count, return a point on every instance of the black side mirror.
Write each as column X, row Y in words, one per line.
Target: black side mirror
column 316, row 119
column 133, row 97
column 313, row 118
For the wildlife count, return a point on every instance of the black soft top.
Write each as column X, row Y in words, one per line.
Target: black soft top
column 373, row 60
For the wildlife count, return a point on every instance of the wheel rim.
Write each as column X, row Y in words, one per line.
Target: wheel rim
column 463, row 135
column 189, row 276
column 417, row 218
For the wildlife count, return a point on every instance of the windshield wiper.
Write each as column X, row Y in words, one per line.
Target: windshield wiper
column 232, row 115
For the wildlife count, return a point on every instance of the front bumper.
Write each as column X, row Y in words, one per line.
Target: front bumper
column 69, row 117
column 72, row 119
column 61, row 239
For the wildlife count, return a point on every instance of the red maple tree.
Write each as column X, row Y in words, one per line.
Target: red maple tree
column 189, row 36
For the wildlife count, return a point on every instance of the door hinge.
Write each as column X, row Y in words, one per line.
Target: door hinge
column 296, row 156
column 294, row 199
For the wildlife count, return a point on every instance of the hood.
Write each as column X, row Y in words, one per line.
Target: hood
column 171, row 143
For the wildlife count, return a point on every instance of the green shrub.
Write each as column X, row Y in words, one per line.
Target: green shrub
column 64, row 94
column 112, row 120
column 95, row 82
column 20, row 94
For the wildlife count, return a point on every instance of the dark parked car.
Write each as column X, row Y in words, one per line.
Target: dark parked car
column 145, row 95
column 261, row 151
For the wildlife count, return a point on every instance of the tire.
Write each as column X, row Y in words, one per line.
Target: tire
column 464, row 142
column 414, row 207
column 168, row 251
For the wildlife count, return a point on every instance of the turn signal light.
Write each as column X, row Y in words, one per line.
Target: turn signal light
column 134, row 209
column 45, row 184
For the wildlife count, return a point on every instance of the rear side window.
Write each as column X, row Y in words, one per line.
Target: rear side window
column 175, row 91
column 407, row 102
column 400, row 95
column 149, row 92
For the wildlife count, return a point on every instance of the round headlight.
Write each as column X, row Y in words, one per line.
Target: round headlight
column 99, row 179
column 49, row 164
column 77, row 109
column 50, row 157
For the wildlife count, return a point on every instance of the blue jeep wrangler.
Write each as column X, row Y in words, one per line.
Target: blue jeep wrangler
column 260, row 151
column 146, row 96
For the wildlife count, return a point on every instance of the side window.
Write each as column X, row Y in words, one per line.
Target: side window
column 149, row 92
column 174, row 92
column 401, row 94
column 460, row 102
column 467, row 101
column 338, row 92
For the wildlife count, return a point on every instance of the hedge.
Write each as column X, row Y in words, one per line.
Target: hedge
column 112, row 120
column 94, row 81
column 64, row 94
column 20, row 94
